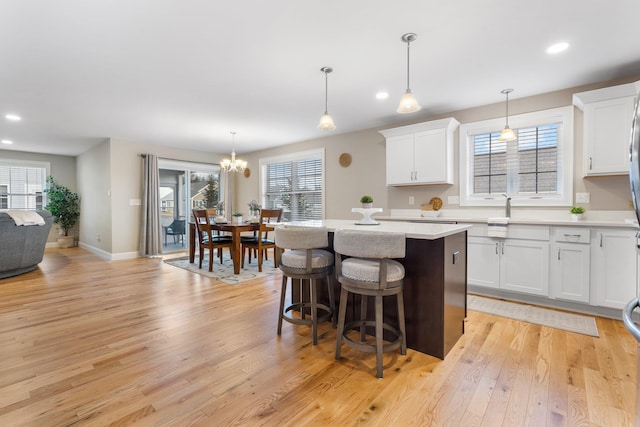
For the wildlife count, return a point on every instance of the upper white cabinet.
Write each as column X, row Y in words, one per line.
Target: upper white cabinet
column 608, row 113
column 421, row 153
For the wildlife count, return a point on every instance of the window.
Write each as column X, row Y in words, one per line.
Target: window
column 22, row 184
column 295, row 184
column 535, row 169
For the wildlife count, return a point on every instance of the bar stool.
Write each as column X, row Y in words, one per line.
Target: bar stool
column 370, row 272
column 305, row 260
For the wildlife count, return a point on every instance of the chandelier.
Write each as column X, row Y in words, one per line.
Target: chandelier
column 233, row 165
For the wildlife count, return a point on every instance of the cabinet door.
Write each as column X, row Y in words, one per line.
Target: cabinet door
column 613, row 267
column 483, row 262
column 525, row 266
column 400, row 163
column 432, row 157
column 607, row 126
column 569, row 271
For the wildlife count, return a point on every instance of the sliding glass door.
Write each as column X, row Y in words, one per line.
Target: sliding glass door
column 185, row 186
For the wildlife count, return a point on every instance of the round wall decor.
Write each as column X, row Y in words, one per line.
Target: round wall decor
column 247, row 172
column 345, row 160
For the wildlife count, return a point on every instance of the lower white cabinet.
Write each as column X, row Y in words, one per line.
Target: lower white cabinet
column 569, row 275
column 512, row 264
column 613, row 267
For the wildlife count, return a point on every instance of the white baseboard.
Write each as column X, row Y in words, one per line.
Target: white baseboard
column 108, row 255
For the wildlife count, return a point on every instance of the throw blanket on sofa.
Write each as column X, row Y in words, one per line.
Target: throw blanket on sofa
column 26, row 217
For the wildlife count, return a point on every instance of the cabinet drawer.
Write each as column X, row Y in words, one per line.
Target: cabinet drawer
column 515, row 231
column 572, row 234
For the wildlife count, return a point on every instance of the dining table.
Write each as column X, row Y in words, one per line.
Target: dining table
column 236, row 231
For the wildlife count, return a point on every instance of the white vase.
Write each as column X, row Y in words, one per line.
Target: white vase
column 367, row 205
column 237, row 219
column 576, row 217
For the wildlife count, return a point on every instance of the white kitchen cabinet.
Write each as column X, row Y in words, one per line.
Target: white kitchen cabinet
column 420, row 153
column 569, row 275
column 483, row 261
column 613, row 267
column 512, row 264
column 606, row 128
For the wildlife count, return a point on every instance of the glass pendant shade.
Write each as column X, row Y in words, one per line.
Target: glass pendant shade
column 326, row 122
column 507, row 133
column 408, row 103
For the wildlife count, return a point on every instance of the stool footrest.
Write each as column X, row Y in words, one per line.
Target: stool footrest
column 371, row 348
column 301, row 306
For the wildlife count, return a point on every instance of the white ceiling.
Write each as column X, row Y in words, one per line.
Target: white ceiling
column 187, row 72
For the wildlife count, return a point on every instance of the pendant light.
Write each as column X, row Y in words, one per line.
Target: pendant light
column 233, row 165
column 507, row 133
column 326, row 122
column 408, row 102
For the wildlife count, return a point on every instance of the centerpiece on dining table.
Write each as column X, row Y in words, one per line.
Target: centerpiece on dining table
column 254, row 211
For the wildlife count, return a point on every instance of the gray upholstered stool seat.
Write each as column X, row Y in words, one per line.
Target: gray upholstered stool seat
column 370, row 271
column 304, row 260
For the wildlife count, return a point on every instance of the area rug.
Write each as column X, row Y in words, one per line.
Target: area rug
column 540, row 316
column 224, row 272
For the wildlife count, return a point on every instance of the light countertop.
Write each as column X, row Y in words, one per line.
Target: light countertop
column 412, row 230
column 619, row 219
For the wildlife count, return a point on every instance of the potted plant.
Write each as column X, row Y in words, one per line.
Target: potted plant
column 576, row 213
column 64, row 206
column 367, row 202
column 237, row 217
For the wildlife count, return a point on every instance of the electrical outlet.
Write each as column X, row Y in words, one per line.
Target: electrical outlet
column 583, row 197
column 412, row 200
column 98, row 237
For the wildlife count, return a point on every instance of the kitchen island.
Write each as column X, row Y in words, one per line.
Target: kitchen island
column 435, row 283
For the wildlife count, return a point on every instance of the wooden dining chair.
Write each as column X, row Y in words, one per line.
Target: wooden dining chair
column 208, row 239
column 261, row 242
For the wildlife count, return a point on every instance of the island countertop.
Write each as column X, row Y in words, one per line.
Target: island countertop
column 412, row 230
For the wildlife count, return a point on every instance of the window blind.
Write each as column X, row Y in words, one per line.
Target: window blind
column 295, row 186
column 21, row 187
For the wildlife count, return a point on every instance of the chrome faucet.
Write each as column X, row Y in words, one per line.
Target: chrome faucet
column 507, row 207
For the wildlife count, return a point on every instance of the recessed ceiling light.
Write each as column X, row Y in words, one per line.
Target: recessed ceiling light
column 382, row 95
column 557, row 48
column 13, row 117
column 6, row 141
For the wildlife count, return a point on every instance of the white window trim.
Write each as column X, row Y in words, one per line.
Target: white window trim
column 562, row 115
column 291, row 157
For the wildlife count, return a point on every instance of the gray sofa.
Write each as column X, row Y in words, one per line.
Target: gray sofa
column 22, row 248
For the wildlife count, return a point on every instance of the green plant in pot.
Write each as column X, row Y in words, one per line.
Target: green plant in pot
column 367, row 201
column 237, row 217
column 64, row 206
column 576, row 212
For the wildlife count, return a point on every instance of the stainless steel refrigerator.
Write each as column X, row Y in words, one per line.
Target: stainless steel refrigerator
column 634, row 176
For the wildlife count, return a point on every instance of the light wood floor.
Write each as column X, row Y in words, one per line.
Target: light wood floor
column 89, row 342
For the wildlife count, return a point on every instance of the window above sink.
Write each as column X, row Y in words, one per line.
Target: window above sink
column 534, row 170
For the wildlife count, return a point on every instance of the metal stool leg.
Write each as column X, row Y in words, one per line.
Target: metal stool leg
column 344, row 294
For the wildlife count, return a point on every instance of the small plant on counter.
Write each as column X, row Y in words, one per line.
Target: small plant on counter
column 237, row 213
column 577, row 210
column 367, row 201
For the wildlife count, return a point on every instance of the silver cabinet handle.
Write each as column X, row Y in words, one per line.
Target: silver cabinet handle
column 601, row 237
column 497, row 248
column 415, row 175
column 502, row 248
column 590, row 163
column 558, row 254
column 572, row 235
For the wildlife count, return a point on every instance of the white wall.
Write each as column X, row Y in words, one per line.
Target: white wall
column 115, row 168
column 366, row 175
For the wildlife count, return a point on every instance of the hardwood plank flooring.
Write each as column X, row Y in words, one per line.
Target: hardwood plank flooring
column 88, row 342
